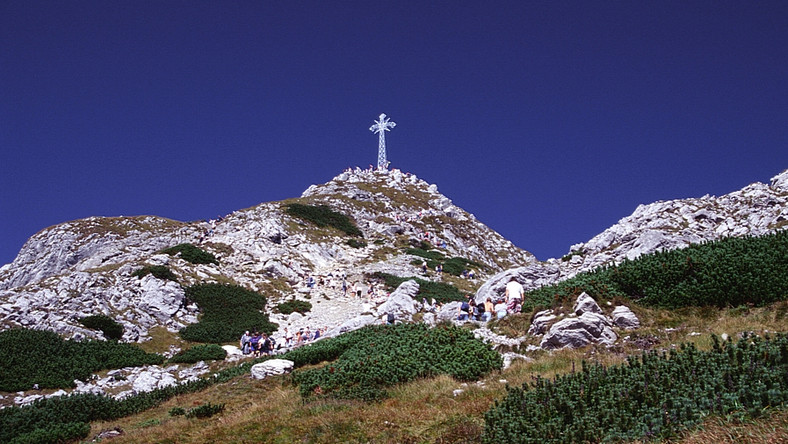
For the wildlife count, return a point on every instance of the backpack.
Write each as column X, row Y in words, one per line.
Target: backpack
column 464, row 306
column 390, row 318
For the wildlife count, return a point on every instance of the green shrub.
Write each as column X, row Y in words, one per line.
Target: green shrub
column 729, row 272
column 228, row 310
column 440, row 291
column 355, row 243
column 205, row 410
column 110, row 328
column 29, row 357
column 55, row 433
column 191, row 253
column 377, row 357
column 177, row 411
column 324, row 216
column 294, row 305
column 453, row 266
column 654, row 396
column 208, row 352
column 158, row 271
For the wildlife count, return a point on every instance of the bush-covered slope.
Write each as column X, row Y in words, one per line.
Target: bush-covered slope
column 653, row 396
column 728, row 272
column 228, row 310
column 30, row 357
column 377, row 357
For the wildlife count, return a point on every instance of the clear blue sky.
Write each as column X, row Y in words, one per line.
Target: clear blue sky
column 548, row 120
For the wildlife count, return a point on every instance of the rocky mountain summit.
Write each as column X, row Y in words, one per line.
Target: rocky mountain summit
column 86, row 267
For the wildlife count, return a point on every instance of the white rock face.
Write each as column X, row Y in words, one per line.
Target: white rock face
column 586, row 304
column 624, row 318
column 272, row 367
column 401, row 302
column 579, row 331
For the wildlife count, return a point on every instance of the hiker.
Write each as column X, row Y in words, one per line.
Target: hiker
column 245, row 349
column 254, row 342
column 514, row 296
column 464, row 311
column 500, row 309
column 473, row 310
column 489, row 309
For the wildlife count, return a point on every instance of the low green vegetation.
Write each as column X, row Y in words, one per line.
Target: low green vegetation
column 725, row 273
column 294, row 305
column 440, row 291
column 204, row 411
column 355, row 243
column 377, row 357
column 324, row 216
column 454, row 265
column 66, row 418
column 652, row 396
column 228, row 311
column 191, row 253
column 29, row 357
column 104, row 323
column 207, row 352
column 158, row 271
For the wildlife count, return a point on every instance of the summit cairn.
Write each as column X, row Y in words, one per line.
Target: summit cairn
column 380, row 127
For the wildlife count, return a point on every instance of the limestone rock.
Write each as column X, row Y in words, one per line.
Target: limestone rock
column 586, row 304
column 540, row 322
column 624, row 318
column 400, row 302
column 579, row 331
column 272, row 367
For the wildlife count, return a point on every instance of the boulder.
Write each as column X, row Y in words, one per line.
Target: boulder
column 401, row 303
column 352, row 324
column 624, row 318
column 449, row 311
column 272, row 367
column 586, row 304
column 540, row 321
column 579, row 331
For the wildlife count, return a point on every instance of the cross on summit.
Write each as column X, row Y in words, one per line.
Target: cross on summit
column 380, row 127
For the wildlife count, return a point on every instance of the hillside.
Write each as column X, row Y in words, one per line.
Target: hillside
column 85, row 267
column 373, row 230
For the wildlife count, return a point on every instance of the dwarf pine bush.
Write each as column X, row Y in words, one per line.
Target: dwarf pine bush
column 324, row 216
column 440, row 291
column 377, row 357
column 294, row 305
column 207, row 352
column 29, row 357
column 728, row 272
column 652, row 396
column 191, row 253
column 228, row 310
column 158, row 271
column 107, row 325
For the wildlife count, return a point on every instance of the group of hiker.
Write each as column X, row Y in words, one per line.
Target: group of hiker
column 511, row 303
column 259, row 344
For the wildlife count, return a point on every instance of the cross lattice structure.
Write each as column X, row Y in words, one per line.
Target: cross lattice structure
column 380, row 127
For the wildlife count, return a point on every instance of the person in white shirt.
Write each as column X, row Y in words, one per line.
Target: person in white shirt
column 514, row 296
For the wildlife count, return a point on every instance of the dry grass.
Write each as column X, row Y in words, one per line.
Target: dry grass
column 428, row 411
